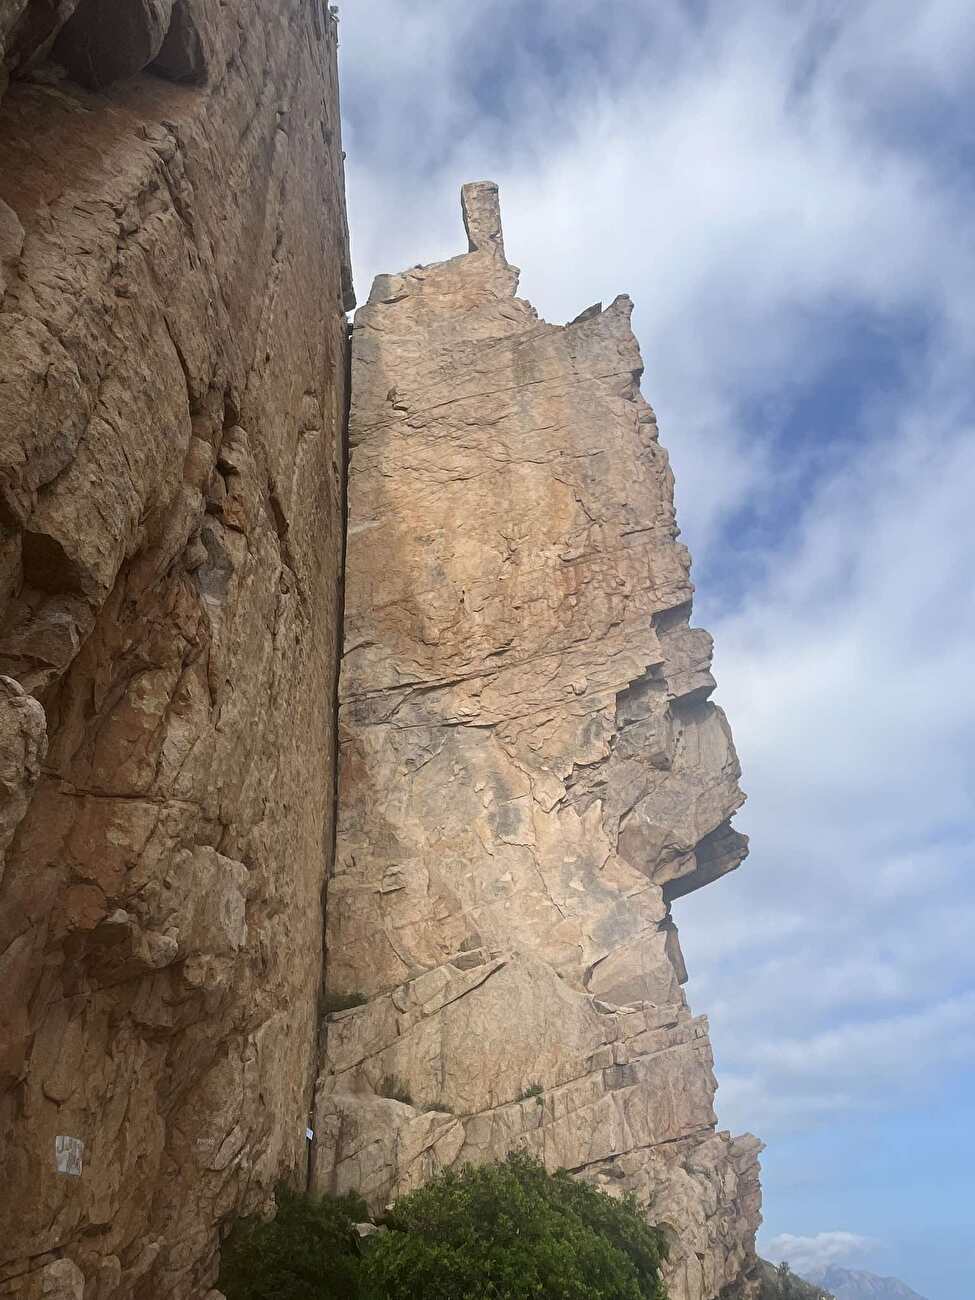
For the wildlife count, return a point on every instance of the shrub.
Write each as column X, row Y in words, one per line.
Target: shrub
column 509, row 1232
column 306, row 1252
column 533, row 1090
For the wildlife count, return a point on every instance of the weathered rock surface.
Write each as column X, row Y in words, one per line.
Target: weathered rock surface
column 172, row 373
column 531, row 768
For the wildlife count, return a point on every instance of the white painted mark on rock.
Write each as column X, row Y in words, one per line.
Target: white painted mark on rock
column 67, row 1155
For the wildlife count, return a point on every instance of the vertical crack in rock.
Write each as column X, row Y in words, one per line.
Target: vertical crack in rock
column 342, row 456
column 530, row 768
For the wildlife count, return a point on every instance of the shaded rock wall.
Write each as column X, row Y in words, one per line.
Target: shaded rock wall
column 531, row 768
column 174, row 270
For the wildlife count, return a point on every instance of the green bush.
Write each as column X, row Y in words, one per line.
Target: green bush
column 306, row 1252
column 494, row 1232
column 509, row 1232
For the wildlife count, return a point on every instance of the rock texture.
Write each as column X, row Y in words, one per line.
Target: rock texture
column 531, row 769
column 173, row 278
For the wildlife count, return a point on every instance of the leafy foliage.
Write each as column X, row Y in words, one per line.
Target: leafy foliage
column 306, row 1252
column 509, row 1232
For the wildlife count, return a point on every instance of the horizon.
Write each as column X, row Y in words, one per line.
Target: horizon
column 786, row 199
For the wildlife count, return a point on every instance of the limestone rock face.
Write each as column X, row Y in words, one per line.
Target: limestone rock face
column 531, row 769
column 173, row 277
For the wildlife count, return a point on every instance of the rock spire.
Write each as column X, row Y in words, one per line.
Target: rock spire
column 531, row 768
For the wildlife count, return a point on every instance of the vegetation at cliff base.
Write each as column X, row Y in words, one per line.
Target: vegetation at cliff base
column 508, row 1231
column 306, row 1252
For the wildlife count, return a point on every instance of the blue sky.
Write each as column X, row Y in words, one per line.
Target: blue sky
column 786, row 191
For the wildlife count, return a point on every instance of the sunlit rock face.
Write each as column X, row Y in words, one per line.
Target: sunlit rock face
column 530, row 769
column 173, row 278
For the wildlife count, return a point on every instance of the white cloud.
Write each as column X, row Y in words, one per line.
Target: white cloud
column 809, row 1256
column 845, row 674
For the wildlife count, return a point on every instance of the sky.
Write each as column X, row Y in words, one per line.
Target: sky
column 786, row 190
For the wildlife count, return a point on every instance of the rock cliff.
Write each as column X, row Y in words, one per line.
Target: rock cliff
column 173, row 279
column 531, row 769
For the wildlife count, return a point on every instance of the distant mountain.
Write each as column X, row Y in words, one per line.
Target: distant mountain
column 774, row 1286
column 852, row 1284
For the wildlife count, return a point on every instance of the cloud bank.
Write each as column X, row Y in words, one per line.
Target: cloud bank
column 809, row 1256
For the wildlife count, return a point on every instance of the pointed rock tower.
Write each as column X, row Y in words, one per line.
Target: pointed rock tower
column 531, row 769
